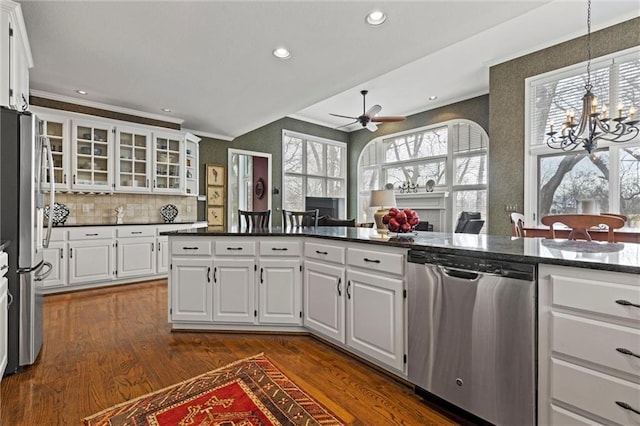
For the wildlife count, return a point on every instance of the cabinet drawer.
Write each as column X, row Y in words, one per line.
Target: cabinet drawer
column 199, row 247
column 136, row 232
column 57, row 234
column 392, row 263
column 596, row 341
column 288, row 247
column 237, row 247
column 90, row 233
column 594, row 392
column 4, row 263
column 596, row 296
column 326, row 252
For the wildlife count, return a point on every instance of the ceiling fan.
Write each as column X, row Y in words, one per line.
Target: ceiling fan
column 369, row 118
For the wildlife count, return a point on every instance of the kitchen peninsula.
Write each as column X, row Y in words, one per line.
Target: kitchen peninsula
column 350, row 286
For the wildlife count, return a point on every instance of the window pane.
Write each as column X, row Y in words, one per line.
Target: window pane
column 369, row 155
column 294, row 197
column 417, row 145
column 315, row 158
column 334, row 161
column 471, row 170
column 468, row 138
column 315, row 187
column 368, row 179
column 292, row 155
column 471, row 201
column 417, row 173
column 335, row 188
column 567, row 179
column 630, row 184
column 629, row 83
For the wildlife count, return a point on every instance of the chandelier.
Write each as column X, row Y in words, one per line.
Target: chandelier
column 593, row 125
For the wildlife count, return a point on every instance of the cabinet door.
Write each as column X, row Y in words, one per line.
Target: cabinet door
column 191, row 164
column 3, row 325
column 56, row 255
column 136, row 257
column 91, row 152
column 324, row 290
column 133, row 168
column 162, row 255
column 280, row 291
column 57, row 130
column 375, row 313
column 191, row 298
column 168, row 163
column 233, row 290
column 91, row 260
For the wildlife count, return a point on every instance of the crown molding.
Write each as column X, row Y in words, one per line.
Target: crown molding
column 210, row 135
column 113, row 108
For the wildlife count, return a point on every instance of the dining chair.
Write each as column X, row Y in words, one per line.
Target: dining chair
column 469, row 223
column 297, row 219
column 517, row 224
column 258, row 219
column 580, row 223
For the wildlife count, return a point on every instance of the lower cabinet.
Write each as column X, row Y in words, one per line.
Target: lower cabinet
column 233, row 290
column 324, row 306
column 191, row 289
column 136, row 257
column 4, row 321
column 56, row 255
column 162, row 255
column 91, row 260
column 280, row 291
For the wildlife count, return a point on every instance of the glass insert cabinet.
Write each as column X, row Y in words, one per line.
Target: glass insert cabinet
column 132, row 169
column 168, row 160
column 91, row 152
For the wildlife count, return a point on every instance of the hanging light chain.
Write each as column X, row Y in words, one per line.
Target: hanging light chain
column 588, row 85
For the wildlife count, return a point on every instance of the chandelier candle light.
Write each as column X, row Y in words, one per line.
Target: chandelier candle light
column 382, row 198
column 593, row 125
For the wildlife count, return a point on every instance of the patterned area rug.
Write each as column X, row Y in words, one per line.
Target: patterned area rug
column 249, row 392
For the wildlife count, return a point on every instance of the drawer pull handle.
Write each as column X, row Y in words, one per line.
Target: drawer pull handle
column 321, row 252
column 279, row 249
column 234, row 248
column 136, row 232
column 371, row 260
column 627, row 407
column 627, row 303
column 91, row 235
column 338, row 286
column 627, row 352
column 189, row 248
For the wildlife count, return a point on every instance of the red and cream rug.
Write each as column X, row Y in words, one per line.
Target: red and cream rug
column 249, row 392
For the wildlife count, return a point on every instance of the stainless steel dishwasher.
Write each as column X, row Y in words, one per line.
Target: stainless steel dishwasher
column 472, row 334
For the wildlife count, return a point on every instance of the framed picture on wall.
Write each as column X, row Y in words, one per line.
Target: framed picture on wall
column 215, row 216
column 215, row 174
column 215, row 195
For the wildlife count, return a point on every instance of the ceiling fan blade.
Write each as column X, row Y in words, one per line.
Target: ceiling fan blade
column 345, row 125
column 343, row 116
column 388, row 119
column 373, row 111
column 371, row 126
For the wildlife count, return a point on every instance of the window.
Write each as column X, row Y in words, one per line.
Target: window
column 608, row 180
column 313, row 167
column 452, row 154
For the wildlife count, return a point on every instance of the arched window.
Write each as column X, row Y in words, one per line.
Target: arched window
column 439, row 170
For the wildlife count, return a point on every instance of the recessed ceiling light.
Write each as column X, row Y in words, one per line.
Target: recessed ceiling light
column 376, row 18
column 81, row 92
column 433, row 98
column 282, row 53
column 166, row 109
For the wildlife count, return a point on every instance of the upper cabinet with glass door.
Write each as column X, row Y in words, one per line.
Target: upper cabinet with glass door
column 168, row 163
column 133, row 168
column 56, row 128
column 90, row 156
column 191, row 149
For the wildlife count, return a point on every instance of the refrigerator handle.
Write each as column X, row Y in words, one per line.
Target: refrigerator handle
column 52, row 194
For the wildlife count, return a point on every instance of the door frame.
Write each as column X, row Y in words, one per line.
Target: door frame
column 230, row 153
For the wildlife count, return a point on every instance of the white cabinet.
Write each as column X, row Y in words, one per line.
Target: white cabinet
column 162, row 254
column 324, row 306
column 4, row 295
column 15, row 57
column 191, row 289
column 588, row 346
column 168, row 163
column 191, row 149
column 91, row 260
column 136, row 256
column 233, row 290
column 56, row 255
column 280, row 294
column 132, row 165
column 90, row 156
column 56, row 128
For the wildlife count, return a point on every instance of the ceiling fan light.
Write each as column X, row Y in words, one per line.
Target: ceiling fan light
column 376, row 18
column 282, row 53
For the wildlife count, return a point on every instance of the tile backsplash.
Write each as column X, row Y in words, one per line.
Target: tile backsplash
column 138, row 208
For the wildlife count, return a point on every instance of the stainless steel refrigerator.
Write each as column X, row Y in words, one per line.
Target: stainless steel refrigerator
column 25, row 155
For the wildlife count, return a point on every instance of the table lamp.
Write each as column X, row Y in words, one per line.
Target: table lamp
column 382, row 198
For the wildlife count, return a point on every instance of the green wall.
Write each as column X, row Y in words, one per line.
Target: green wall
column 506, row 111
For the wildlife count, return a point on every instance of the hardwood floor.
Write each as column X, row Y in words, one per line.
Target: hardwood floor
column 103, row 347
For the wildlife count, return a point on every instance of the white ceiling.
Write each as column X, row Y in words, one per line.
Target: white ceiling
column 210, row 62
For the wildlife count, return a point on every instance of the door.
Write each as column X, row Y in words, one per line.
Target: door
column 162, row 255
column 324, row 288
column 90, row 155
column 168, row 164
column 132, row 163
column 375, row 317
column 55, row 255
column 233, row 290
column 191, row 291
column 136, row 256
column 91, row 260
column 280, row 291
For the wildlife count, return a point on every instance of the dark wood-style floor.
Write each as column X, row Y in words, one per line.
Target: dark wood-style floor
column 103, row 347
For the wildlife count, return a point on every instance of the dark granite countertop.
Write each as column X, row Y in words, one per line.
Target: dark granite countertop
column 122, row 224
column 619, row 257
column 4, row 244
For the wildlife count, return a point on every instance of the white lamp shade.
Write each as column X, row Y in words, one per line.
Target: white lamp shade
column 382, row 198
